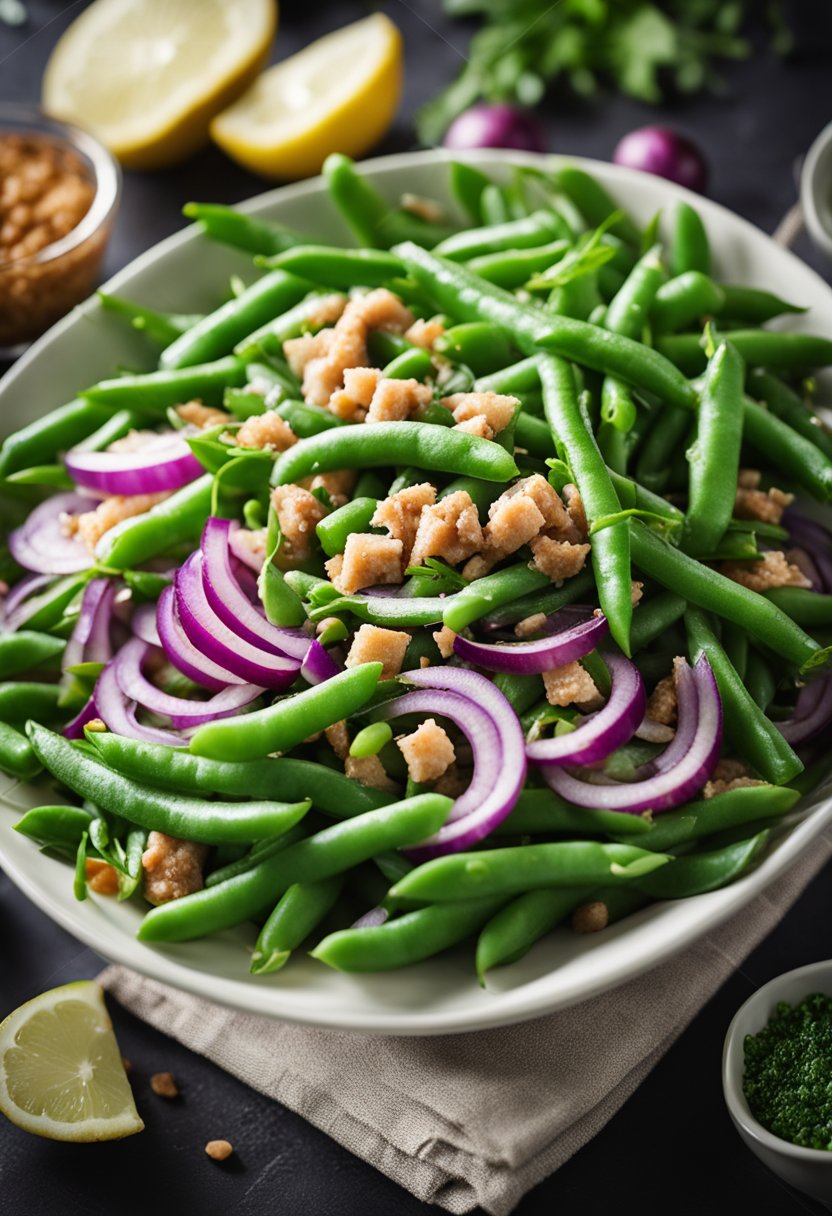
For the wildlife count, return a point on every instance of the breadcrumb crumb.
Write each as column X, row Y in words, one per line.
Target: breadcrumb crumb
column 428, row 752
column 367, row 561
column 163, row 1084
column 772, row 570
column 372, row 644
column 570, row 684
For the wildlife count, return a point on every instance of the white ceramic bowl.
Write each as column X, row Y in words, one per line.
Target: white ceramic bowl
column 808, row 1169
column 187, row 273
column 816, row 191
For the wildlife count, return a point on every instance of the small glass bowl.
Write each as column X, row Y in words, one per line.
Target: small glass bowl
column 39, row 288
column 807, row 1169
column 816, row 192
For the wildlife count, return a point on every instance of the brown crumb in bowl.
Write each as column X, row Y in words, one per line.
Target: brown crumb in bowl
column 46, row 190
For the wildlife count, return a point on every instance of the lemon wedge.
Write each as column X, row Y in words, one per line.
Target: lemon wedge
column 148, row 78
column 339, row 94
column 61, row 1074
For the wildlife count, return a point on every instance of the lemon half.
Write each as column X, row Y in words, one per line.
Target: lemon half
column 339, row 94
column 147, row 78
column 61, row 1073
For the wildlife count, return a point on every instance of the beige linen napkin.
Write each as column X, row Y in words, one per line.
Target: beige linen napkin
column 480, row 1118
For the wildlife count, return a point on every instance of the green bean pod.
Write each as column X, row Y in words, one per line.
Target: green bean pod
column 337, row 268
column 700, row 872
column 299, row 910
column 514, row 929
column 25, row 650
column 773, row 349
column 714, row 458
column 42, row 439
column 708, row 816
column 178, row 518
column 334, row 850
column 689, row 245
column 232, row 227
column 684, row 300
column 154, row 392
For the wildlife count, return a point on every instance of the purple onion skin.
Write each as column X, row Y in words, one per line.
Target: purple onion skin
column 495, row 126
column 665, row 153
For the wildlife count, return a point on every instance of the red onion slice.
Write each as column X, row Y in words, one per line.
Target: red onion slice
column 542, row 654
column 230, row 602
column 600, row 733
column 812, row 715
column 181, row 651
column 488, row 721
column 16, row 606
column 75, row 728
column 652, row 731
column 672, row 786
column 183, row 712
column 119, row 713
column 164, row 462
column 42, row 545
column 318, row 664
column 143, row 624
column 89, row 641
column 215, row 640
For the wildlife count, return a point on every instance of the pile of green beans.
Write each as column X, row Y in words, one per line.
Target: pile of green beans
column 639, row 378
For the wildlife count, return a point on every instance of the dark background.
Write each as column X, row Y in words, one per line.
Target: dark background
column 672, row 1148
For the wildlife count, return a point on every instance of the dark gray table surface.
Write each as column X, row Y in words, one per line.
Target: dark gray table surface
column 672, row 1147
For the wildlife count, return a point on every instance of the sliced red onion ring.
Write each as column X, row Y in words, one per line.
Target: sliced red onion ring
column 119, row 713
column 672, row 786
column 318, row 665
column 807, row 566
column 143, row 624
column 41, row 543
column 181, row 651
column 183, row 712
column 812, row 536
column 600, row 733
column 164, row 462
column 215, row 640
column 26, row 587
column 89, row 641
column 812, row 715
column 230, row 602
column 75, row 728
column 542, row 654
column 484, row 715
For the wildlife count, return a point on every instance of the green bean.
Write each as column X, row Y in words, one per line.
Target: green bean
column 593, row 201
column 700, row 872
column 354, row 516
column 807, row 608
column 520, row 378
column 689, row 247
column 481, row 346
column 176, row 815
column 789, row 452
column 333, row 851
column 53, row 475
column 402, row 611
column 46, row 610
column 20, row 700
column 405, row 939
column 535, row 435
column 359, row 203
column 540, row 811
column 664, row 438
column 686, row 299
column 55, row 827
column 539, row 228
column 413, row 364
column 715, row 456
column 232, row 227
column 495, row 206
column 772, row 349
column 16, row 755
column 161, row 327
column 611, row 549
column 505, row 608
column 514, row 929
column 708, row 816
column 751, row 734
column 216, row 335
column 370, row 485
column 370, row 740
column 653, row 618
column 269, row 338
column 433, row 448
column 735, row 644
column 790, row 408
column 753, row 306
column 50, row 434
column 481, row 493
column 509, row 871
column 708, row 589
column 175, row 519
column 154, row 392
column 467, row 185
column 511, row 268
column 337, row 268
column 258, row 852
column 298, row 911
column 25, row 650
column 281, row 726
column 759, row 680
column 306, row 419
column 493, row 591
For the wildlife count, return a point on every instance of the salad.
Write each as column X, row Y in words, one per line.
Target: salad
column 448, row 587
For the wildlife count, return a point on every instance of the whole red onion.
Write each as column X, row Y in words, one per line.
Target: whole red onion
column 665, row 152
column 495, row 126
